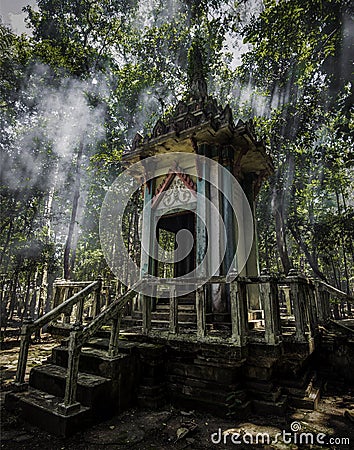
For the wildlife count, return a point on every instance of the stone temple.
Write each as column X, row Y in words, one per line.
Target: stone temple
column 211, row 332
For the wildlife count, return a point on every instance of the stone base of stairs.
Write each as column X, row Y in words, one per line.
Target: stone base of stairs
column 150, row 371
column 43, row 410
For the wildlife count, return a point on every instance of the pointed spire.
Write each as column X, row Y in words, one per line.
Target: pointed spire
column 196, row 72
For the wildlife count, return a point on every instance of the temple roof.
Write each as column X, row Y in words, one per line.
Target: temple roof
column 199, row 119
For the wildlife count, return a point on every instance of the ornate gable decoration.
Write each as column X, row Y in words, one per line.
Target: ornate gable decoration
column 177, row 187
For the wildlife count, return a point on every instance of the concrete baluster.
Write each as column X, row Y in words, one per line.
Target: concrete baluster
column 201, row 313
column 113, row 347
column 25, row 337
column 238, row 303
column 70, row 404
column 173, row 311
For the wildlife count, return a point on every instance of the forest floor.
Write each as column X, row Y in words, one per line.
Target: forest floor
column 172, row 428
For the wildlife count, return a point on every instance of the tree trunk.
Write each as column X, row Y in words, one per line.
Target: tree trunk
column 8, row 237
column 300, row 242
column 280, row 228
column 68, row 262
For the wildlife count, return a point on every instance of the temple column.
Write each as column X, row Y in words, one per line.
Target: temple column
column 203, row 214
column 143, row 302
column 146, row 231
column 227, row 210
column 219, row 305
column 252, row 265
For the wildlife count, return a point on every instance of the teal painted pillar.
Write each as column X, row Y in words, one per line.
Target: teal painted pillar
column 226, row 160
column 203, row 189
column 144, row 302
column 252, row 265
column 145, row 263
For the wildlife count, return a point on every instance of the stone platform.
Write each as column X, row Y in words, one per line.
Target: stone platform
column 153, row 370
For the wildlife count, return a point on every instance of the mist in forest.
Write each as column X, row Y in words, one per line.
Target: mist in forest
column 57, row 119
column 58, row 116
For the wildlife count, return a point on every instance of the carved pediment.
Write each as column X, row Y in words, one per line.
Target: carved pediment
column 181, row 185
column 138, row 139
column 188, row 122
column 181, row 108
column 159, row 129
column 176, row 194
column 226, row 116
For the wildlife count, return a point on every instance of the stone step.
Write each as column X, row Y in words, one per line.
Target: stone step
column 98, row 393
column 308, row 401
column 261, row 386
column 155, row 323
column 197, row 392
column 155, row 402
column 42, row 409
column 308, row 395
column 95, row 360
column 181, row 307
column 287, row 329
column 187, row 317
column 185, row 300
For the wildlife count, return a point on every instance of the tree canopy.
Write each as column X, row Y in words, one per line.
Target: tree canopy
column 74, row 93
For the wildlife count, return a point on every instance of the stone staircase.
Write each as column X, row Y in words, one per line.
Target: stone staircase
column 149, row 373
column 299, row 381
column 266, row 396
column 106, row 386
column 187, row 315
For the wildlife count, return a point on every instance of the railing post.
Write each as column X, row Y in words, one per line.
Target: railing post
column 200, row 307
column 146, row 306
column 173, row 311
column 298, row 305
column 313, row 310
column 97, row 299
column 336, row 311
column 270, row 305
column 56, row 294
column 25, row 337
column 70, row 404
column 327, row 305
column 67, row 314
column 286, row 291
column 80, row 310
column 113, row 347
column 238, row 302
